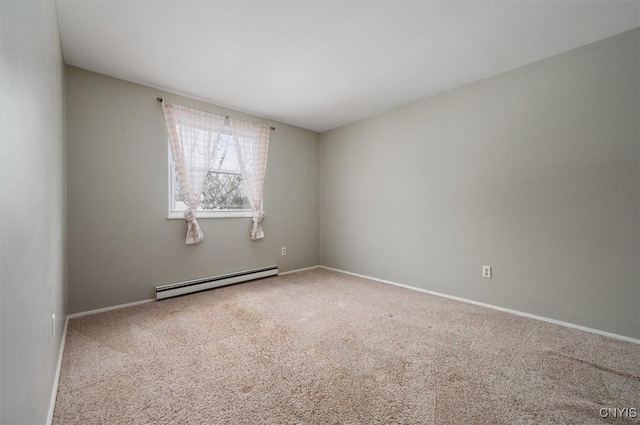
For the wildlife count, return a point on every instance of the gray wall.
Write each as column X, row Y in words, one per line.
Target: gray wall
column 120, row 243
column 535, row 172
column 32, row 209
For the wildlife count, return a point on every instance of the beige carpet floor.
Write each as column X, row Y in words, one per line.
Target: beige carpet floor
column 320, row 347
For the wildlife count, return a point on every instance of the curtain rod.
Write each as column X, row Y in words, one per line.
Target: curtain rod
column 159, row 99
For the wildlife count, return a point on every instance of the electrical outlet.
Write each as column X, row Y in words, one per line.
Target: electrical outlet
column 53, row 325
column 486, row 272
column 284, row 250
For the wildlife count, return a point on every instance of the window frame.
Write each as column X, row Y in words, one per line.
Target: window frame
column 179, row 215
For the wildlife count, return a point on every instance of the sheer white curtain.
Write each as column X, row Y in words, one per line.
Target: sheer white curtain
column 193, row 136
column 252, row 144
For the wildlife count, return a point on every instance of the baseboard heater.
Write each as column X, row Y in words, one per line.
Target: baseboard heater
column 197, row 285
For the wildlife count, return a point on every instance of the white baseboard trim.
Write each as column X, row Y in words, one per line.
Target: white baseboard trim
column 115, row 307
column 494, row 307
column 299, row 270
column 102, row 310
column 54, row 391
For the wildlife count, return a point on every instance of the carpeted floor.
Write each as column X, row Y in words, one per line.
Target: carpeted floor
column 320, row 347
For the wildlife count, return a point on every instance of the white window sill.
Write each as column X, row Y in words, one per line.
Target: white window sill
column 179, row 215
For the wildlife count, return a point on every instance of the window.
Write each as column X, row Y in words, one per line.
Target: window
column 223, row 193
column 204, row 148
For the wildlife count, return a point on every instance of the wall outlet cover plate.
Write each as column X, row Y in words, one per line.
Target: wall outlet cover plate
column 486, row 272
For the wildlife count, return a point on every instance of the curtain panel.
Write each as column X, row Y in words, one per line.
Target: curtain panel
column 252, row 145
column 193, row 136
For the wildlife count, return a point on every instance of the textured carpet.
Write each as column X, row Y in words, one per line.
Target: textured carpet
column 320, row 347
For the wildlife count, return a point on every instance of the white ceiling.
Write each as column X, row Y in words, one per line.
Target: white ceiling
column 322, row 64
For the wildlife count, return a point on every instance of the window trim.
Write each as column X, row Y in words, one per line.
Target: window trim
column 179, row 215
